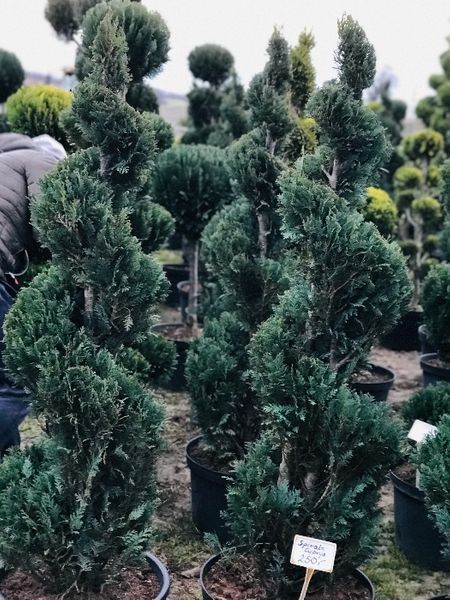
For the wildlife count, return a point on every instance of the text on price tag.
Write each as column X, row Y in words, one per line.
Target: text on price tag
column 421, row 430
column 313, row 554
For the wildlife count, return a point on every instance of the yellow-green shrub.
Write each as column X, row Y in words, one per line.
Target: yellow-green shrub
column 380, row 209
column 36, row 109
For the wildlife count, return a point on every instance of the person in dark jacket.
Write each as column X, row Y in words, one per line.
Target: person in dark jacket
column 22, row 164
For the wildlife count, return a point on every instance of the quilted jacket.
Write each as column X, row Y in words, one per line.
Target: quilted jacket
column 22, row 164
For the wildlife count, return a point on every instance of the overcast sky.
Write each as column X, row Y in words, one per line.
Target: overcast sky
column 408, row 35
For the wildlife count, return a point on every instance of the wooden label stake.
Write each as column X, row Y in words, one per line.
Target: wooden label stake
column 308, row 577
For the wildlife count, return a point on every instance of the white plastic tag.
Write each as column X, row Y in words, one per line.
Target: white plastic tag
column 421, row 430
column 313, row 554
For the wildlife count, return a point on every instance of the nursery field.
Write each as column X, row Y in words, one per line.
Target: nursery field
column 197, row 294
column 182, row 548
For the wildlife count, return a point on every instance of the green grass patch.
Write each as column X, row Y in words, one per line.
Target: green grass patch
column 171, row 257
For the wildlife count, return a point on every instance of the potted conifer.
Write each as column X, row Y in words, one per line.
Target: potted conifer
column 75, row 506
column 192, row 182
column 242, row 252
column 416, row 533
column 436, row 310
column 324, row 450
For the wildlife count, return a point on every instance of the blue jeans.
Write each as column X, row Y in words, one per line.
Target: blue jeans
column 14, row 402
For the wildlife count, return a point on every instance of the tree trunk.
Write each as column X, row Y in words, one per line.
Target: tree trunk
column 263, row 232
column 192, row 252
column 88, row 304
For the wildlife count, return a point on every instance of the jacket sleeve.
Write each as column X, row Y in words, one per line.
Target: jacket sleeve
column 20, row 172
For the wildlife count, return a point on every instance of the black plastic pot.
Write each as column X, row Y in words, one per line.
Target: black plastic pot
column 160, row 572
column 177, row 381
column 404, row 336
column 440, row 598
column 415, row 533
column 174, row 274
column 359, row 576
column 378, row 390
column 426, row 344
column 208, row 492
column 432, row 374
column 162, row 575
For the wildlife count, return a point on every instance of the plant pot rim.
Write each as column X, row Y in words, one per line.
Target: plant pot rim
column 407, row 488
column 359, row 575
column 207, row 472
column 158, row 569
column 181, row 266
column 158, row 327
column 444, row 597
column 426, row 366
column 186, row 284
column 161, row 572
column 378, row 384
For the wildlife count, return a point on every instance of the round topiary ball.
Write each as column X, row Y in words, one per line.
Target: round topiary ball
column 381, row 210
column 36, row 109
column 11, row 74
column 211, row 63
column 146, row 33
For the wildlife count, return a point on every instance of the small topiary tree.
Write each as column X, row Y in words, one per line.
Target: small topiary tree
column 241, row 248
column 429, row 404
column 433, row 462
column 36, row 109
column 435, row 110
column 417, row 194
column 216, row 113
column 324, row 452
column 381, row 210
column 11, row 75
column 391, row 113
column 303, row 138
column 436, row 308
column 75, row 507
column 192, row 183
column 66, row 16
column 61, row 16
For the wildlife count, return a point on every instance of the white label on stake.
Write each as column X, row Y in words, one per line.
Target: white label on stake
column 313, row 554
column 421, row 430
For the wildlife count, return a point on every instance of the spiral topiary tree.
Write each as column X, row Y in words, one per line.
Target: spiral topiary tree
column 324, row 451
column 76, row 506
column 216, row 112
column 241, row 249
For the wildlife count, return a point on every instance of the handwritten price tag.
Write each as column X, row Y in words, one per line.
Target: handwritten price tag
column 313, row 554
column 421, row 430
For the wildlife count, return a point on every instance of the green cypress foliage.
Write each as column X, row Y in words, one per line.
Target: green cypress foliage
column 303, row 72
column 76, row 506
column 433, row 462
column 241, row 248
column 147, row 41
column 435, row 110
column 417, row 187
column 216, row 102
column 324, row 450
column 11, row 74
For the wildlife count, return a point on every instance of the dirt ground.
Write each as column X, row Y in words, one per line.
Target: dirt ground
column 181, row 547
